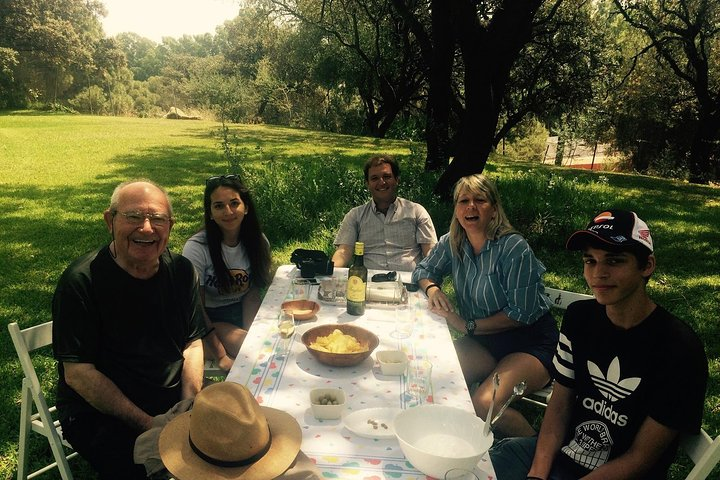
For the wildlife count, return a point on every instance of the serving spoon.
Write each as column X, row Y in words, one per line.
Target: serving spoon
column 496, row 384
column 518, row 390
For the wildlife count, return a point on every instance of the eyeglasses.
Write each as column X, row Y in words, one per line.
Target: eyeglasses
column 216, row 178
column 138, row 218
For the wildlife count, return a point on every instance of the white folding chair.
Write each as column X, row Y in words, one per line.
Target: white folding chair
column 560, row 299
column 26, row 341
column 212, row 370
column 703, row 451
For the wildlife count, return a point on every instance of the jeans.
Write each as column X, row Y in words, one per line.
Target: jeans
column 512, row 458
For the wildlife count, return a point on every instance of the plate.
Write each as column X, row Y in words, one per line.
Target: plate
column 372, row 422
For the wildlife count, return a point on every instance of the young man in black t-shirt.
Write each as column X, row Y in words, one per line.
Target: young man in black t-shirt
column 629, row 376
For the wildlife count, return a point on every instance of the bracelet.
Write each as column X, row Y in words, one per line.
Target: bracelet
column 430, row 286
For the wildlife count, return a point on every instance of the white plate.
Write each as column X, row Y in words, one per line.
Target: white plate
column 372, row 422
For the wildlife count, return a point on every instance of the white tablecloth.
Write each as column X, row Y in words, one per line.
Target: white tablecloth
column 285, row 383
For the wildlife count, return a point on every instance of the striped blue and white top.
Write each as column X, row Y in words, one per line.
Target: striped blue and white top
column 505, row 276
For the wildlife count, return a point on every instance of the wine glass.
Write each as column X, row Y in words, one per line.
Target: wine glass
column 286, row 329
column 460, row 474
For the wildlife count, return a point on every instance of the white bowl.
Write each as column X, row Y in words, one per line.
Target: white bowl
column 392, row 362
column 328, row 411
column 437, row 438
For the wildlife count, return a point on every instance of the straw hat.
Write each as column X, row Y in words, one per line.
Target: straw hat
column 228, row 435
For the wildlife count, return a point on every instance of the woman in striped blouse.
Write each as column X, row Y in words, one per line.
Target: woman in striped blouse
column 501, row 303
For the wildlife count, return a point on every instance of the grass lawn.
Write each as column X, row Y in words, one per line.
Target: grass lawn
column 58, row 172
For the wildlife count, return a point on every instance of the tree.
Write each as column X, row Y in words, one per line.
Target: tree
column 490, row 36
column 142, row 55
column 52, row 40
column 387, row 72
column 685, row 36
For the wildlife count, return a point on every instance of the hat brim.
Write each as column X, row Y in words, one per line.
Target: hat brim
column 579, row 239
column 184, row 464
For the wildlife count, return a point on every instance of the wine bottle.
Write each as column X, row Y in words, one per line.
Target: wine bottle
column 357, row 282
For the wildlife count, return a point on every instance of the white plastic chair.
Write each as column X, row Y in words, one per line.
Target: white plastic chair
column 560, row 299
column 32, row 398
column 211, row 369
column 703, row 451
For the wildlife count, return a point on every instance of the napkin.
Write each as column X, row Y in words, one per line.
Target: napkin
column 386, row 292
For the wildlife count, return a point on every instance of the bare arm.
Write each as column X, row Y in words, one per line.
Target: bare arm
column 102, row 393
column 651, row 441
column 193, row 366
column 440, row 304
column 498, row 322
column 426, row 247
column 552, row 431
column 343, row 255
column 212, row 343
column 251, row 305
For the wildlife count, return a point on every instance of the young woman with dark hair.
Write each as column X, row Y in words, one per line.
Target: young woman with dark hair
column 232, row 258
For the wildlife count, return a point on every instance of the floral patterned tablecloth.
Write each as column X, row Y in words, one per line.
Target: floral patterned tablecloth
column 285, row 382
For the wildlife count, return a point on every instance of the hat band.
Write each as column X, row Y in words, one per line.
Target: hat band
column 235, row 463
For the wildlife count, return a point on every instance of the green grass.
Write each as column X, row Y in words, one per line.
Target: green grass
column 58, row 172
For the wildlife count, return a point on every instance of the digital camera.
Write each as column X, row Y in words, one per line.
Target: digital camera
column 312, row 262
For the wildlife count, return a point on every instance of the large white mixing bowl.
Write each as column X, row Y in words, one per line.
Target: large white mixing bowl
column 437, row 438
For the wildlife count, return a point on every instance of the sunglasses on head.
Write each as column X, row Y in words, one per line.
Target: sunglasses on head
column 232, row 176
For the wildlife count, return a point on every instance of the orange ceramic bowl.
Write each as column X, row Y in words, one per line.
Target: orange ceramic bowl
column 302, row 309
column 365, row 337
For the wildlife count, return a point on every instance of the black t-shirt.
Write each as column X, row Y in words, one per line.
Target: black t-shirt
column 656, row 369
column 134, row 331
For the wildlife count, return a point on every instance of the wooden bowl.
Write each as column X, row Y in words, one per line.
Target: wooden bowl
column 302, row 309
column 365, row 337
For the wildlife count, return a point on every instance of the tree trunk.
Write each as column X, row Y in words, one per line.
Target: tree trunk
column 439, row 92
column 702, row 164
column 488, row 53
column 560, row 150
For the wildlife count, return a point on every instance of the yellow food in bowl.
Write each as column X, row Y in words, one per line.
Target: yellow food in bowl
column 302, row 312
column 338, row 342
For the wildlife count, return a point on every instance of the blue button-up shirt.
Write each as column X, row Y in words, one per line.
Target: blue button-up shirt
column 505, row 276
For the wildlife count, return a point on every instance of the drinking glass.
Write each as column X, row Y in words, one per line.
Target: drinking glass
column 286, row 329
column 328, row 289
column 300, row 289
column 460, row 474
column 404, row 321
column 419, row 379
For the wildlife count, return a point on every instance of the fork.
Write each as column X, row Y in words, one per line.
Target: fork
column 496, row 384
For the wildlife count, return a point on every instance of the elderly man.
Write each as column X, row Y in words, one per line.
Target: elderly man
column 127, row 328
column 397, row 233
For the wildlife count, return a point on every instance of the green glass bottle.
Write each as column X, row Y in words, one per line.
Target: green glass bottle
column 357, row 282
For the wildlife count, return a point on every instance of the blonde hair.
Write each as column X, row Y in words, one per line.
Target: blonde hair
column 498, row 226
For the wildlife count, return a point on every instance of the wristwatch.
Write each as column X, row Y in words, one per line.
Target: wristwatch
column 470, row 327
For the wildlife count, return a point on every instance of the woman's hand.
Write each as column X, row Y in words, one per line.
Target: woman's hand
column 437, row 300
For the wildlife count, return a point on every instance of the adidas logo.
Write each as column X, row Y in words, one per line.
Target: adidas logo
column 612, row 388
column 610, row 385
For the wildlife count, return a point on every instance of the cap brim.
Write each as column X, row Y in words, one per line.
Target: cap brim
column 580, row 238
column 184, row 464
